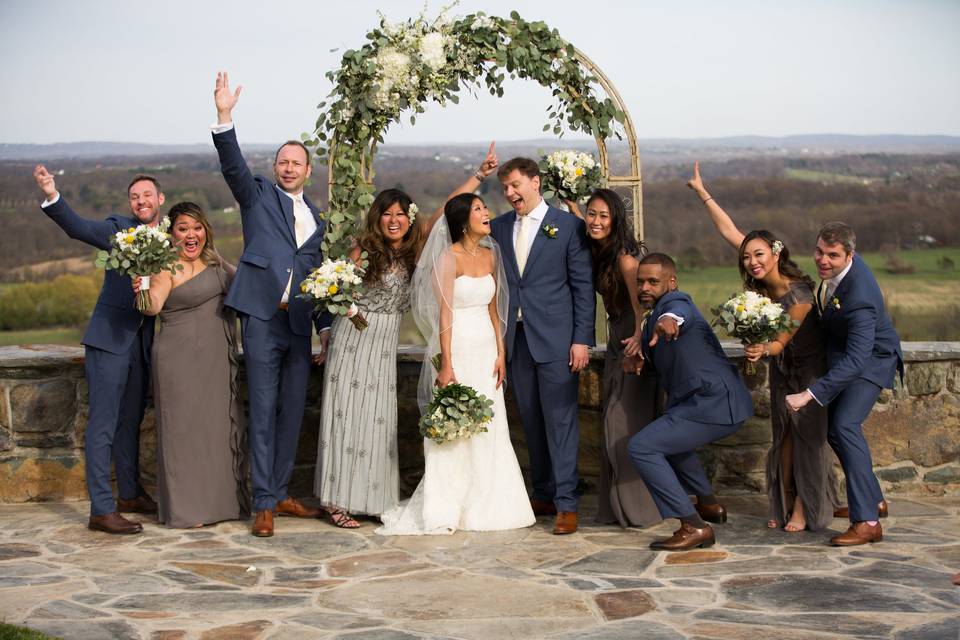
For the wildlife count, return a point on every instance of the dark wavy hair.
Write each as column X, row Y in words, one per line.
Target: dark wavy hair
column 788, row 268
column 209, row 254
column 457, row 213
column 605, row 254
column 380, row 255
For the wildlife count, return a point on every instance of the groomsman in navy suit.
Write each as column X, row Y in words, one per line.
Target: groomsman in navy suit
column 706, row 401
column 863, row 357
column 550, row 327
column 282, row 231
column 117, row 346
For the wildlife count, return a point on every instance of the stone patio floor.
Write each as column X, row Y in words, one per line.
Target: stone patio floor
column 314, row 581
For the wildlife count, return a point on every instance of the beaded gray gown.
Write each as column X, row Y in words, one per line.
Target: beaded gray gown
column 357, row 467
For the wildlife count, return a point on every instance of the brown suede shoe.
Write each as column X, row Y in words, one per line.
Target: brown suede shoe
column 686, row 537
column 263, row 524
column 114, row 523
column 566, row 523
column 844, row 512
column 858, row 533
column 140, row 504
column 541, row 508
column 712, row 512
column 296, row 509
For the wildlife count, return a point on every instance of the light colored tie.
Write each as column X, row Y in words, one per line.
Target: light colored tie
column 822, row 295
column 522, row 247
column 301, row 222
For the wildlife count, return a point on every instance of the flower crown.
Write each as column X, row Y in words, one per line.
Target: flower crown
column 412, row 212
column 775, row 248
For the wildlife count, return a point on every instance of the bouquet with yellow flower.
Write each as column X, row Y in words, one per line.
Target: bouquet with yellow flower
column 569, row 175
column 334, row 286
column 456, row 412
column 141, row 251
column 752, row 318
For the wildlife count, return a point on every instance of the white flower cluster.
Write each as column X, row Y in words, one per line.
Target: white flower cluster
column 393, row 77
column 570, row 166
column 751, row 306
column 135, row 239
column 412, row 212
column 433, row 49
column 330, row 278
column 483, row 22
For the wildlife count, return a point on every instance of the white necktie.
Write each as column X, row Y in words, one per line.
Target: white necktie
column 522, row 245
column 301, row 222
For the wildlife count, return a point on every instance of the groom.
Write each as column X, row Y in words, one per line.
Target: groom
column 550, row 326
column 282, row 231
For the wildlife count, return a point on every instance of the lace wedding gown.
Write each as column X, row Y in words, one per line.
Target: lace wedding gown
column 472, row 484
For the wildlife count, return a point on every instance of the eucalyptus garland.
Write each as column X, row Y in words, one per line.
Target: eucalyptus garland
column 403, row 65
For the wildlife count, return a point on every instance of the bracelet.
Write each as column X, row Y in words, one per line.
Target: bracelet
column 707, row 200
column 479, row 176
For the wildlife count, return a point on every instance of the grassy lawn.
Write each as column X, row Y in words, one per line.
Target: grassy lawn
column 55, row 335
column 10, row 632
column 810, row 175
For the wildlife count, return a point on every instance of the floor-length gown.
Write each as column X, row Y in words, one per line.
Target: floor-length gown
column 201, row 438
column 629, row 403
column 802, row 362
column 357, row 468
column 473, row 484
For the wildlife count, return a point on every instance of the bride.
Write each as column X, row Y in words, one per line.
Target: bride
column 460, row 303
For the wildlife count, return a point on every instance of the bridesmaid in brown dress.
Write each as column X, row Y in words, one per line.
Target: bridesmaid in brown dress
column 629, row 400
column 201, row 440
column 801, row 482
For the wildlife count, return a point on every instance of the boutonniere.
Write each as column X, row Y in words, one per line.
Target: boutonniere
column 550, row 230
column 835, row 303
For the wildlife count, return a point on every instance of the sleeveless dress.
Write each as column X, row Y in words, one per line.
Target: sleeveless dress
column 630, row 402
column 201, row 437
column 474, row 484
column 357, row 467
column 802, row 362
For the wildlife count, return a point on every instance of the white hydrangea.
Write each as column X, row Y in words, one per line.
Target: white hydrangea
column 570, row 165
column 433, row 49
column 482, row 22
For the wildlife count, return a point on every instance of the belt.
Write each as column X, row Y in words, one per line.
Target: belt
column 284, row 306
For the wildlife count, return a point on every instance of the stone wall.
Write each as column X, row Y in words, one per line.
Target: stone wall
column 914, row 431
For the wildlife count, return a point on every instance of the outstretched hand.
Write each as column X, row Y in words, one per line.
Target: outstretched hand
column 695, row 182
column 45, row 181
column 666, row 327
column 490, row 163
column 223, row 98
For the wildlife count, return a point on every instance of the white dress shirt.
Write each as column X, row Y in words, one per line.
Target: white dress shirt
column 304, row 226
column 534, row 223
column 831, row 284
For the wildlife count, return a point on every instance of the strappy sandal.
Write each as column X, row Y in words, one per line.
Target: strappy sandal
column 342, row 519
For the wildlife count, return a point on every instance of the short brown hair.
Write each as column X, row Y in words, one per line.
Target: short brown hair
column 140, row 177
column 839, row 233
column 526, row 166
column 295, row 143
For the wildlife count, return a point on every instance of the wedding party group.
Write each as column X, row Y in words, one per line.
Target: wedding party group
column 500, row 300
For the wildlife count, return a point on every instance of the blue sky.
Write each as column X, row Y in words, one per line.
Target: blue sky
column 143, row 71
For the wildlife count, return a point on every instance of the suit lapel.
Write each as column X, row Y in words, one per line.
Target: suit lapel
column 286, row 207
column 539, row 239
column 506, row 244
column 315, row 211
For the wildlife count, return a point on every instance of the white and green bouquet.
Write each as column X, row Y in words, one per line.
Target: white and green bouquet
column 752, row 318
column 141, row 251
column 456, row 411
column 569, row 175
column 334, row 286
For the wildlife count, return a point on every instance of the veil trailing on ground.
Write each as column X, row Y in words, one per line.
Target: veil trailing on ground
column 432, row 290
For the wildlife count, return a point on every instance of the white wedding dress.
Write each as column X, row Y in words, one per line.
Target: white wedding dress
column 472, row 484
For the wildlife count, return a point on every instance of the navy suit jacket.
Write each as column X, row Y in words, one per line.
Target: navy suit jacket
column 702, row 384
column 270, row 251
column 115, row 319
column 556, row 289
column 861, row 340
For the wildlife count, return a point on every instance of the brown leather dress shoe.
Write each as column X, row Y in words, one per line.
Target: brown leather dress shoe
column 140, row 504
column 296, row 509
column 541, row 508
column 686, row 537
column 566, row 523
column 263, row 524
column 114, row 523
column 712, row 512
column 858, row 533
column 844, row 512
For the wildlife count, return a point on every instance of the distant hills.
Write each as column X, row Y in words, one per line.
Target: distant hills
column 746, row 145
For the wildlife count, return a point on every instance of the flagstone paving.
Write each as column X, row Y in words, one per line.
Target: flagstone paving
column 603, row 583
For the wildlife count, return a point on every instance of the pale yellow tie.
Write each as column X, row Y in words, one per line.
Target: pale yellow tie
column 300, row 224
column 522, row 245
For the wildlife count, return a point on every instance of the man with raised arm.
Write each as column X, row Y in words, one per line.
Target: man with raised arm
column 282, row 231
column 117, row 346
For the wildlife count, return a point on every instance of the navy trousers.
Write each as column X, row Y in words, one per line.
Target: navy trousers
column 845, row 434
column 664, row 455
column 278, row 370
column 547, row 394
column 117, row 385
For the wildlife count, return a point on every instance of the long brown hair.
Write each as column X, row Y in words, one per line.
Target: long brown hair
column 605, row 254
column 209, row 254
column 787, row 267
column 380, row 255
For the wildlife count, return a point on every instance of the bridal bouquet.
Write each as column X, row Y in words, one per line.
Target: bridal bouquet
column 569, row 175
column 752, row 318
column 456, row 411
column 334, row 286
column 141, row 251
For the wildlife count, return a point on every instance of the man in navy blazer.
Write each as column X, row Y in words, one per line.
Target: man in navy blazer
column 706, row 401
column 117, row 346
column 282, row 232
column 863, row 357
column 550, row 327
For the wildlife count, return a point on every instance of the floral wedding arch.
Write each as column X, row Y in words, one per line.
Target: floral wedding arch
column 404, row 65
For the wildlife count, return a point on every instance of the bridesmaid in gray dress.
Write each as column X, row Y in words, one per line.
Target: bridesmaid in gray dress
column 630, row 401
column 357, row 468
column 201, row 439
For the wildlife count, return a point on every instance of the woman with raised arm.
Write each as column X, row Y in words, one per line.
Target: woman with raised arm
column 201, row 435
column 801, row 483
column 357, row 468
